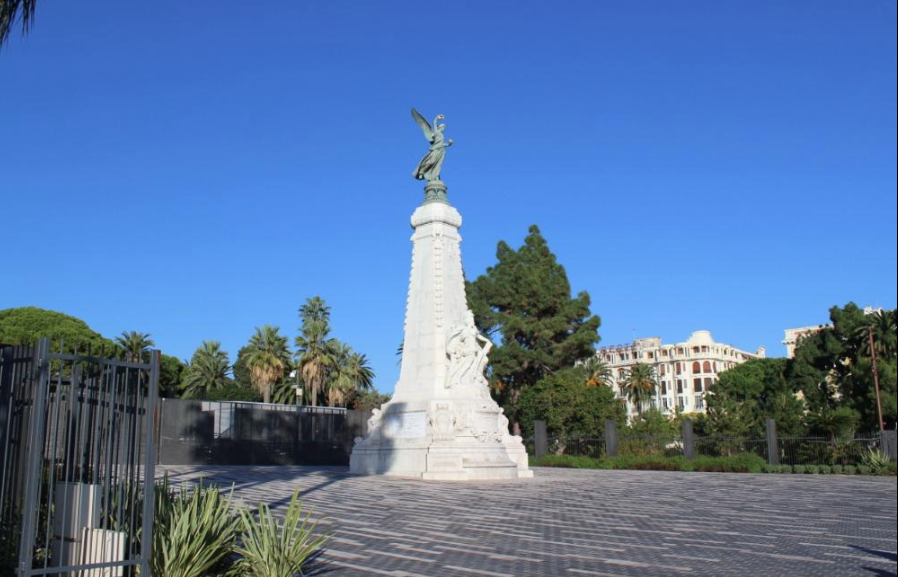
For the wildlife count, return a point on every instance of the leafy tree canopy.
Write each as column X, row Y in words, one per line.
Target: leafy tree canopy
column 368, row 400
column 232, row 391
column 751, row 393
column 833, row 370
column 26, row 325
column 171, row 371
column 570, row 405
column 524, row 302
column 652, row 423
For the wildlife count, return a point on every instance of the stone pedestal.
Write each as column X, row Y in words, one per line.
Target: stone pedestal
column 441, row 423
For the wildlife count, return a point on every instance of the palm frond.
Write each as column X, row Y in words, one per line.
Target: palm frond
column 10, row 12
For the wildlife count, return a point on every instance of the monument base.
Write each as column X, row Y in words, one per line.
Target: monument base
column 438, row 462
column 441, row 441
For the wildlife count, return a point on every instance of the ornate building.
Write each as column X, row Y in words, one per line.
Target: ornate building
column 792, row 336
column 685, row 371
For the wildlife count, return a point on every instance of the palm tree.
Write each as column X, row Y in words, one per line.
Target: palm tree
column 640, row 385
column 9, row 12
column 885, row 334
column 207, row 370
column 597, row 371
column 267, row 356
column 314, row 348
column 351, row 373
column 136, row 346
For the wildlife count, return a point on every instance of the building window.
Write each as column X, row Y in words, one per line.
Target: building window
column 677, row 368
column 697, row 385
column 704, row 349
column 679, row 350
column 699, row 403
column 682, row 402
column 680, row 386
column 696, row 367
column 662, row 370
column 708, row 384
column 715, row 366
column 665, row 404
column 706, row 367
column 663, row 388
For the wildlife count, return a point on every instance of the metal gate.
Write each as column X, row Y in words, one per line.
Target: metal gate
column 77, row 450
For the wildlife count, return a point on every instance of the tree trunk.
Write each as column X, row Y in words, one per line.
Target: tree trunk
column 266, row 394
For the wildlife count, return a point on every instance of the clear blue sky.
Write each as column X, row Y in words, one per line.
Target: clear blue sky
column 194, row 169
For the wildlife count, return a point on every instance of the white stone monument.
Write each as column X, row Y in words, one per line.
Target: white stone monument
column 441, row 423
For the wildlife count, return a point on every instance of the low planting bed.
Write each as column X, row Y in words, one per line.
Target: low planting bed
column 746, row 463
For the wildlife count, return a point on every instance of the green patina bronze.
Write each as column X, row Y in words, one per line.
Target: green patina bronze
column 429, row 167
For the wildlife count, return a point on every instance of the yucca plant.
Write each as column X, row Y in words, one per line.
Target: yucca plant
column 877, row 461
column 194, row 531
column 269, row 549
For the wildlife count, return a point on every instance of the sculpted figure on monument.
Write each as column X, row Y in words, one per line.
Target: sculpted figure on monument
column 373, row 433
column 429, row 167
column 466, row 357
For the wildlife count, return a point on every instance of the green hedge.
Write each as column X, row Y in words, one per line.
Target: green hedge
column 738, row 464
column 745, row 463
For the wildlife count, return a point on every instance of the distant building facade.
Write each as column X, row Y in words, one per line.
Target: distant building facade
column 684, row 371
column 793, row 335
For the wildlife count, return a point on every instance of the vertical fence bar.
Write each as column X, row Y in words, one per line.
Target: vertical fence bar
column 773, row 452
column 540, row 439
column 6, row 403
column 611, row 445
column 890, row 444
column 146, row 546
column 35, row 458
column 688, row 440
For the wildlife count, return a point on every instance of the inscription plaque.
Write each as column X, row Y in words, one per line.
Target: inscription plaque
column 488, row 422
column 411, row 425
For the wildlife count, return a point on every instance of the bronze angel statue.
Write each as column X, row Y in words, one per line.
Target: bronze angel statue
column 429, row 167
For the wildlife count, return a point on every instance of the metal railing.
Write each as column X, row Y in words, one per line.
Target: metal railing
column 76, row 441
column 239, row 433
column 785, row 450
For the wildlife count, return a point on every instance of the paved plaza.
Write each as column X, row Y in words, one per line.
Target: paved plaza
column 587, row 523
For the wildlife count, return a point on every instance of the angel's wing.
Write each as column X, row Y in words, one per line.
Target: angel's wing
column 425, row 126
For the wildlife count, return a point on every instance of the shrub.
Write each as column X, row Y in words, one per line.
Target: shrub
column 849, row 469
column 891, row 469
column 738, row 464
column 745, row 463
column 799, row 469
column 272, row 550
column 194, row 531
column 837, row 469
column 771, row 469
column 568, row 461
column 863, row 470
column 876, row 461
column 812, row 469
column 825, row 469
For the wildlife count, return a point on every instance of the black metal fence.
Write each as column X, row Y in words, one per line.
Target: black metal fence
column 773, row 449
column 236, row 433
column 76, row 445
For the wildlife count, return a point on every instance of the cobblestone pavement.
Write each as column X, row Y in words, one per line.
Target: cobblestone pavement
column 587, row 523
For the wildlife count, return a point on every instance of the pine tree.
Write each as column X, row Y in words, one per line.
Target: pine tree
column 524, row 305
